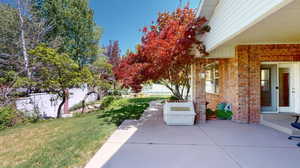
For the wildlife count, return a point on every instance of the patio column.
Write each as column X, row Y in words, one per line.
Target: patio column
column 198, row 91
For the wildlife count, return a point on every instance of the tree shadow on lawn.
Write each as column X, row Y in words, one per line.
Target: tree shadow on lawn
column 128, row 112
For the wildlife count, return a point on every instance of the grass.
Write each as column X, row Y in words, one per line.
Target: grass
column 65, row 143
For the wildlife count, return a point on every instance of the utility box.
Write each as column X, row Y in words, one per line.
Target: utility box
column 179, row 113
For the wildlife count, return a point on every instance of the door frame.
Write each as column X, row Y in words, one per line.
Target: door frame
column 295, row 86
column 291, row 107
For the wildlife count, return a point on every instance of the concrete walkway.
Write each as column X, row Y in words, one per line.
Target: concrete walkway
column 149, row 143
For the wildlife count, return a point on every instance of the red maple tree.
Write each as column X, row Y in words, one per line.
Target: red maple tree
column 165, row 53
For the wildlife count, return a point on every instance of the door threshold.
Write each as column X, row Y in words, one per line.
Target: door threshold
column 269, row 112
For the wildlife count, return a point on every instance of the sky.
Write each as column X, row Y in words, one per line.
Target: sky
column 122, row 19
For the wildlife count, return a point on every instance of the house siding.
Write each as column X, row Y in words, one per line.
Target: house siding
column 232, row 17
column 240, row 78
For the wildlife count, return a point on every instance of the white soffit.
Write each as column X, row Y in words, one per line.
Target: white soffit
column 224, row 30
column 207, row 7
column 281, row 27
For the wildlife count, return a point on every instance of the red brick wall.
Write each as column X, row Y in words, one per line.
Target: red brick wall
column 240, row 78
column 227, row 84
column 213, row 100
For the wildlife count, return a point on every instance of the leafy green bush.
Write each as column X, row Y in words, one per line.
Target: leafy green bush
column 107, row 100
column 8, row 117
column 224, row 115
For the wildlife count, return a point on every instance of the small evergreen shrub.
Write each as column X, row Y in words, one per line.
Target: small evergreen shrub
column 107, row 100
column 8, row 117
column 224, row 115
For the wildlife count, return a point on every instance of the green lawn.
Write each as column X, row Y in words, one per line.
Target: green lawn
column 65, row 143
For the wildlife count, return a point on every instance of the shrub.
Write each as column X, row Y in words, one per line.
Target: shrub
column 224, row 115
column 107, row 100
column 8, row 117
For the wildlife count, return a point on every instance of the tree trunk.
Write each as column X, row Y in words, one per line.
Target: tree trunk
column 60, row 107
column 187, row 92
column 84, row 100
column 23, row 42
column 175, row 90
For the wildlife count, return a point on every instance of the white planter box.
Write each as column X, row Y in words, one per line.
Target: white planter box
column 179, row 113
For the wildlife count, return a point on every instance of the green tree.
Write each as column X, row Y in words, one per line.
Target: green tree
column 57, row 73
column 103, row 76
column 101, row 81
column 9, row 33
column 15, row 39
column 72, row 21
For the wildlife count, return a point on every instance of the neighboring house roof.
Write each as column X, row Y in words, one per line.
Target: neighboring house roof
column 246, row 22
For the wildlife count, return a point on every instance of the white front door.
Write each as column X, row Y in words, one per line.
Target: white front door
column 286, row 84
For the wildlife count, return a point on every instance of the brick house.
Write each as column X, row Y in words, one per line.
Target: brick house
column 254, row 58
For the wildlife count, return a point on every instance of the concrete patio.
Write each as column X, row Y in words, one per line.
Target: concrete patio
column 149, row 143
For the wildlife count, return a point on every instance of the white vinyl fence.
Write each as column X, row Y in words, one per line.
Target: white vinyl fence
column 47, row 104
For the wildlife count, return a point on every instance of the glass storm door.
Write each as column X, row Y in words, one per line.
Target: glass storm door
column 286, row 89
column 268, row 88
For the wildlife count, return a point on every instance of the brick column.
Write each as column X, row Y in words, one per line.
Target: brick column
column 242, row 114
column 248, row 85
column 198, row 92
column 254, row 85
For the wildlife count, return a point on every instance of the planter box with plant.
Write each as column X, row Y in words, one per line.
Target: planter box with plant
column 179, row 113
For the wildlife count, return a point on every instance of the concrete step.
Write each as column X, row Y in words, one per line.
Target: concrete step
column 280, row 126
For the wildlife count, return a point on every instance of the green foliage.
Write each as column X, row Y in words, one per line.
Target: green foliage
column 8, row 117
column 102, row 72
column 102, row 64
column 9, row 82
column 73, row 23
column 10, row 35
column 107, row 100
column 58, row 72
column 13, row 78
column 224, row 115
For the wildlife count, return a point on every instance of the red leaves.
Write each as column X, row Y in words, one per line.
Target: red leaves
column 165, row 49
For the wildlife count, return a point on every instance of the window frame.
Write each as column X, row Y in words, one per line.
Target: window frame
column 212, row 78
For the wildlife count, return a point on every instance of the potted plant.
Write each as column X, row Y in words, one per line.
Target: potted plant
column 210, row 114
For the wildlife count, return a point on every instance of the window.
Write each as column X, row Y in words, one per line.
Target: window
column 212, row 78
